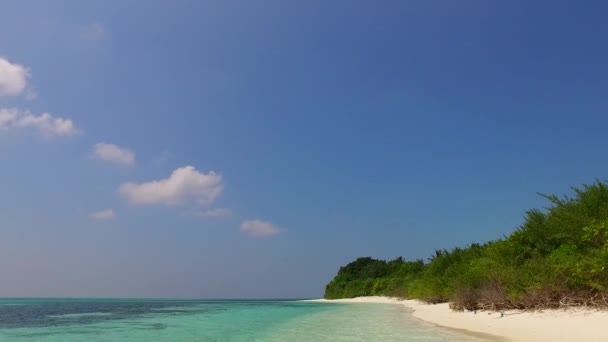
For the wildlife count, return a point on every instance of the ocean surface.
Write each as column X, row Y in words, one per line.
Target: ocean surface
column 66, row 320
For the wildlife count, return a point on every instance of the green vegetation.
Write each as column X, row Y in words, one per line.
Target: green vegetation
column 558, row 257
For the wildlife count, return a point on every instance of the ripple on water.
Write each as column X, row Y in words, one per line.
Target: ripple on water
column 194, row 321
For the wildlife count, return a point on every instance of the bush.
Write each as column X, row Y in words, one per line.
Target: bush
column 557, row 257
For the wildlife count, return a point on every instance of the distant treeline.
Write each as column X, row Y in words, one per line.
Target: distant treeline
column 557, row 258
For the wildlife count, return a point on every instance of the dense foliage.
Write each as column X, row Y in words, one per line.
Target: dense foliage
column 558, row 257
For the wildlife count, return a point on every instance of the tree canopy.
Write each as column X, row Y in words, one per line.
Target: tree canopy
column 557, row 257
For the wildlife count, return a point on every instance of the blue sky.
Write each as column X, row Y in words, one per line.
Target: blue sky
column 248, row 149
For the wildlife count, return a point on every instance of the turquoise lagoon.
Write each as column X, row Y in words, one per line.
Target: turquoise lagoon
column 66, row 320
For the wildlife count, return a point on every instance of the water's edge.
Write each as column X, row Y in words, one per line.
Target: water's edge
column 61, row 320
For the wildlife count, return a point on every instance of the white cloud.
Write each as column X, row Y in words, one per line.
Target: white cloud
column 45, row 122
column 183, row 185
column 218, row 212
column 114, row 154
column 259, row 228
column 13, row 78
column 103, row 215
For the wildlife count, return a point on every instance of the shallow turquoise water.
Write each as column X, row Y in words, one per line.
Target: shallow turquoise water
column 31, row 320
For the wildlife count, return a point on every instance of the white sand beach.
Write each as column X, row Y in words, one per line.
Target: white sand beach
column 547, row 325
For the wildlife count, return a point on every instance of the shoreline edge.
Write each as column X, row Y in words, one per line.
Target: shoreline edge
column 555, row 325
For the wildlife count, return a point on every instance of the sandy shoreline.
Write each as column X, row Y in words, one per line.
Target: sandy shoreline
column 548, row 325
